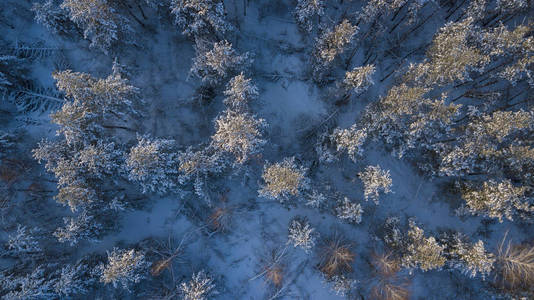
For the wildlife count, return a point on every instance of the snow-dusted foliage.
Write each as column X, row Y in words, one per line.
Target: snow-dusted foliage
column 315, row 199
column 375, row 8
column 359, row 79
column 450, row 56
column 123, row 268
column 154, row 164
column 375, row 180
column 214, row 64
column 283, row 180
column 34, row 285
column 489, row 144
column 93, row 99
column 333, row 42
column 200, row 17
column 52, row 16
column 239, row 133
column 350, row 140
column 239, row 92
column 101, row 23
column 342, row 285
column 81, row 227
column 497, row 200
column 349, row 211
column 471, row 259
column 422, row 252
column 23, row 242
column 198, row 163
column 306, row 10
column 301, row 234
column 73, row 280
column 200, row 287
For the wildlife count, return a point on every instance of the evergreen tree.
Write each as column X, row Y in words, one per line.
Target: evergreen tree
column 154, row 164
column 200, row 17
column 215, row 64
column 238, row 134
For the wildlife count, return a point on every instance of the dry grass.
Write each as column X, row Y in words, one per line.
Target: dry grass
column 515, row 265
column 275, row 275
column 385, row 290
column 385, row 264
column 387, row 284
column 336, row 257
column 220, row 219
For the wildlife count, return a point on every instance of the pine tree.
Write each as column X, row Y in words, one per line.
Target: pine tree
column 306, row 10
column 450, row 56
column 350, row 140
column 53, row 17
column 359, row 79
column 283, row 180
column 238, row 134
column 101, row 24
column 23, row 242
column 301, row 234
column 154, row 164
column 331, row 43
column 349, row 211
column 93, row 99
column 471, row 259
column 200, row 287
column 194, row 164
column 81, row 227
column 215, row 64
column 73, row 280
column 200, row 17
column 239, row 92
column 498, row 200
column 124, row 268
column 422, row 252
column 375, row 180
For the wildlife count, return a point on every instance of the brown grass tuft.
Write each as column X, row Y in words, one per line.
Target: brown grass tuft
column 515, row 265
column 336, row 257
column 386, row 290
column 219, row 220
column 385, row 264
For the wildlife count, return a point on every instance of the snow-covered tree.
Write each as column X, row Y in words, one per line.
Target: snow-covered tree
column 23, row 242
column 375, row 180
column 422, row 252
column 359, row 79
column 374, row 8
column 306, row 10
column 239, row 134
column 215, row 64
column 332, row 42
column 200, row 287
column 485, row 143
column 471, row 259
column 198, row 163
column 52, row 16
column 283, row 180
column 73, row 280
column 124, row 268
column 301, row 234
column 450, row 57
column 497, row 200
column 93, row 99
column 200, row 17
column 349, row 211
column 34, row 285
column 350, row 140
column 342, row 285
column 81, row 227
column 239, row 92
column 154, row 164
column 101, row 23
column 515, row 47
